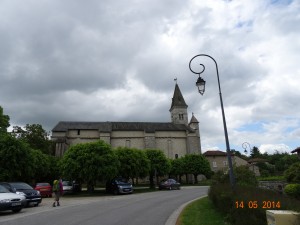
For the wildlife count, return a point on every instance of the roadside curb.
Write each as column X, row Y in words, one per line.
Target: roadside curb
column 174, row 216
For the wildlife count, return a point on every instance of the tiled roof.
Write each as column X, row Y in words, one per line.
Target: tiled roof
column 215, row 153
column 120, row 126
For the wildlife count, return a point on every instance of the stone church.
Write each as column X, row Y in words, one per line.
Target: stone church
column 175, row 138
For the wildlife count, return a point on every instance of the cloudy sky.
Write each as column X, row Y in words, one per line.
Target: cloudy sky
column 71, row 60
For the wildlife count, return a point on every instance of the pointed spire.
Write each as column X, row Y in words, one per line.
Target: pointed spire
column 194, row 119
column 178, row 100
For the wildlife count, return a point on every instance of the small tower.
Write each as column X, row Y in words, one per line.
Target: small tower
column 195, row 143
column 194, row 124
column 178, row 108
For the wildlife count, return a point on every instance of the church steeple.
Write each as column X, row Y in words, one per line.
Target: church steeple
column 178, row 108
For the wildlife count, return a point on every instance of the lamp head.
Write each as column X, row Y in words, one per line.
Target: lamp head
column 201, row 85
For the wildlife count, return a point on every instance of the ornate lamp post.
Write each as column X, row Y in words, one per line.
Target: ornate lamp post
column 201, row 88
column 245, row 145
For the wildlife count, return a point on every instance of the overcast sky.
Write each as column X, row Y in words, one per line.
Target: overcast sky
column 71, row 60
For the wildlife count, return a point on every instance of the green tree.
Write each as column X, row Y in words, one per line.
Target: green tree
column 89, row 162
column 41, row 165
column 255, row 153
column 35, row 136
column 4, row 121
column 196, row 164
column 292, row 174
column 15, row 159
column 133, row 163
column 159, row 164
column 177, row 168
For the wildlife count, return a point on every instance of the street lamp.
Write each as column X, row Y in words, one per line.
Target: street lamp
column 201, row 88
column 245, row 145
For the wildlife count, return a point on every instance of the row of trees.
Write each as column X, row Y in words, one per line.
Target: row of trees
column 90, row 162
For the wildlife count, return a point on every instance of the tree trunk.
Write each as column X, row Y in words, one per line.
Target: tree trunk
column 151, row 178
column 196, row 178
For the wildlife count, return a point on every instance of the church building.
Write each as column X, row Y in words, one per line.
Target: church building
column 176, row 138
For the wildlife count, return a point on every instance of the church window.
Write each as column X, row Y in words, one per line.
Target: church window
column 78, row 132
column 176, row 156
column 214, row 164
column 181, row 116
column 225, row 163
column 127, row 143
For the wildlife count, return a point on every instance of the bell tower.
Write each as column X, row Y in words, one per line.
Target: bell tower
column 178, row 108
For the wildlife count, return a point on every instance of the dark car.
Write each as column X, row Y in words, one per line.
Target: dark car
column 44, row 188
column 11, row 201
column 119, row 186
column 169, row 184
column 33, row 197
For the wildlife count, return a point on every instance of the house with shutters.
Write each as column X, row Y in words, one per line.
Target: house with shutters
column 176, row 138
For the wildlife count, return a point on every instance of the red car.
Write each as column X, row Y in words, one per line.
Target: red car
column 44, row 188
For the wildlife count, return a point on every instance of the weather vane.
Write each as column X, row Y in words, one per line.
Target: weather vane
column 175, row 80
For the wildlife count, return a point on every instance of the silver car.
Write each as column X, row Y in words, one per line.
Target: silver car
column 11, row 201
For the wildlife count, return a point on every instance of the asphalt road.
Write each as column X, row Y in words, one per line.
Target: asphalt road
column 153, row 208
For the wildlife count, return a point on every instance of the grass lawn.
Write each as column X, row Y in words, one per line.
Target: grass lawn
column 200, row 212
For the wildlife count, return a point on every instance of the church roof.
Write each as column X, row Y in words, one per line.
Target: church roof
column 120, row 126
column 193, row 119
column 178, row 99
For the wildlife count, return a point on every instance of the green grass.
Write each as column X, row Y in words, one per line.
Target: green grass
column 200, row 212
column 272, row 178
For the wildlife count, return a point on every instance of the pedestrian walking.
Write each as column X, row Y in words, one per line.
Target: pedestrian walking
column 58, row 191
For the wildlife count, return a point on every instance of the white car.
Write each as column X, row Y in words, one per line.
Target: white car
column 11, row 201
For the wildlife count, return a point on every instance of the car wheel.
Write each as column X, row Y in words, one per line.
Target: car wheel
column 116, row 192
column 36, row 205
column 17, row 210
column 179, row 188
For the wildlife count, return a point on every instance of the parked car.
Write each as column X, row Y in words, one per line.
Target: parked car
column 119, row 186
column 33, row 197
column 169, row 184
column 44, row 188
column 67, row 187
column 11, row 201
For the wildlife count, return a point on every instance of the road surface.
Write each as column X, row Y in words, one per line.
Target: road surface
column 153, row 208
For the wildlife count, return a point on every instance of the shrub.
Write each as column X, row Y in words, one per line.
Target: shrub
column 292, row 174
column 293, row 190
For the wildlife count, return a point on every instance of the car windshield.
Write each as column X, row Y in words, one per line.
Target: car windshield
column 121, row 182
column 3, row 189
column 21, row 186
column 67, row 183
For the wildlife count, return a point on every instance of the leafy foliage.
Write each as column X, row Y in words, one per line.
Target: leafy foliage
column 35, row 136
column 89, row 162
column 159, row 164
column 244, row 176
column 292, row 174
column 15, row 159
column 4, row 121
column 292, row 190
column 133, row 163
column 196, row 164
column 177, row 168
